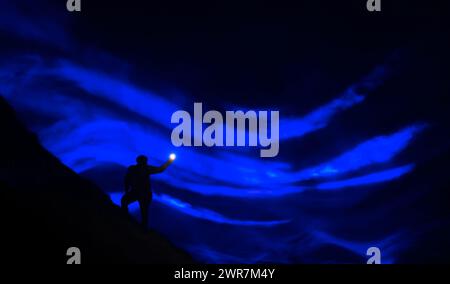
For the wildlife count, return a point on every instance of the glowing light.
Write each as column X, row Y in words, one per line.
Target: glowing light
column 172, row 156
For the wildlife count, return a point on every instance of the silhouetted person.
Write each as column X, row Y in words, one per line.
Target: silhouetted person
column 138, row 186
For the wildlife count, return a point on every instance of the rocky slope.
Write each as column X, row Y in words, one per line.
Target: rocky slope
column 47, row 208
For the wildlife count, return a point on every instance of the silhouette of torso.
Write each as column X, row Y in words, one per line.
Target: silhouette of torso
column 138, row 178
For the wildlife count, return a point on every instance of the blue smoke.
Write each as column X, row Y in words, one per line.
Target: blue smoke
column 99, row 119
column 86, row 135
column 376, row 177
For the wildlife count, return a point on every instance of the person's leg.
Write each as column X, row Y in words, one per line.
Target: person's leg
column 144, row 204
column 127, row 198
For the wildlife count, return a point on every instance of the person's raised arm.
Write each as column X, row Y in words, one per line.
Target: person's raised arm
column 157, row 170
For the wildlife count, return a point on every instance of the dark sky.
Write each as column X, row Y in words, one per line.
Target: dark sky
column 260, row 49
